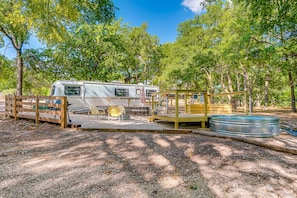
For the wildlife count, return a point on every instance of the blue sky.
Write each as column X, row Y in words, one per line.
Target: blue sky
column 162, row 16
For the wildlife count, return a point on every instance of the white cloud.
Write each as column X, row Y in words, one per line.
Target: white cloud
column 193, row 5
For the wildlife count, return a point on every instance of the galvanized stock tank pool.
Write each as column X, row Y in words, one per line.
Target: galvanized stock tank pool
column 240, row 125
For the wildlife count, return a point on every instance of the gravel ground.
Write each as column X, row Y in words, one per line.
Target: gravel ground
column 46, row 161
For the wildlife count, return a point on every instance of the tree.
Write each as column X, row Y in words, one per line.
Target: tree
column 223, row 50
column 90, row 53
column 103, row 52
column 278, row 19
column 14, row 26
column 7, row 71
column 50, row 20
column 141, row 55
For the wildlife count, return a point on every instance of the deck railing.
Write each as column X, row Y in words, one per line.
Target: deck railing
column 185, row 105
column 39, row 108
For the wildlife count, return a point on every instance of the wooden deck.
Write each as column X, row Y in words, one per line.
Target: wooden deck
column 190, row 106
column 181, row 118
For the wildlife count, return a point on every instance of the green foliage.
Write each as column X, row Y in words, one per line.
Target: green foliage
column 226, row 50
column 8, row 91
column 7, row 74
column 140, row 55
column 109, row 52
column 277, row 21
column 51, row 20
column 36, row 83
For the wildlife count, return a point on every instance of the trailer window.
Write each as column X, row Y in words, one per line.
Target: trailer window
column 121, row 92
column 72, row 90
column 149, row 92
column 138, row 91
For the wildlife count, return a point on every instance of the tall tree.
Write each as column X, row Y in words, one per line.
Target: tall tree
column 141, row 55
column 91, row 53
column 49, row 19
column 14, row 26
column 278, row 18
column 7, row 71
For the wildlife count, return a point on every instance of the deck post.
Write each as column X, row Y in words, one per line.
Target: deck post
column 36, row 110
column 153, row 105
column 176, row 110
column 186, row 103
column 205, row 109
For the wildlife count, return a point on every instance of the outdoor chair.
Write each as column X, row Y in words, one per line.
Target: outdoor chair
column 116, row 112
column 96, row 111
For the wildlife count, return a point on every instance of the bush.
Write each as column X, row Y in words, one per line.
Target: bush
column 8, row 91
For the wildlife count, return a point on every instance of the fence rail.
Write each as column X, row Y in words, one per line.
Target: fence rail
column 39, row 108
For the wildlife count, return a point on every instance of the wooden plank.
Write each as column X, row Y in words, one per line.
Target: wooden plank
column 25, row 110
column 32, row 117
column 26, row 97
column 167, row 131
column 51, row 112
column 211, row 108
column 27, row 116
column 49, row 97
column 192, row 119
column 160, row 117
column 9, row 114
column 197, row 118
column 52, row 120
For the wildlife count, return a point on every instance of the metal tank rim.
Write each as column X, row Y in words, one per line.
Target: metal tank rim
column 245, row 125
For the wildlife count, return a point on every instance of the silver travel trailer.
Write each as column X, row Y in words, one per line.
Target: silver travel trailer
column 83, row 94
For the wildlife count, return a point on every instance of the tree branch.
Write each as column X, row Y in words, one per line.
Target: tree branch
column 5, row 32
column 260, row 41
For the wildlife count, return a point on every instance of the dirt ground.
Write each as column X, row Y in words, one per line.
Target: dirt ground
column 47, row 161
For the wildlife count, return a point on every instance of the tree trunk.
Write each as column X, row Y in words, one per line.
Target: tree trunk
column 19, row 60
column 266, row 89
column 248, row 88
column 293, row 103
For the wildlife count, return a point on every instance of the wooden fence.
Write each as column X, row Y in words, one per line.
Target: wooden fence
column 39, row 108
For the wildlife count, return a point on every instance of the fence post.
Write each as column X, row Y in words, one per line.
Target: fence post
column 37, row 110
column 205, row 95
column 5, row 103
column 15, row 107
column 63, row 111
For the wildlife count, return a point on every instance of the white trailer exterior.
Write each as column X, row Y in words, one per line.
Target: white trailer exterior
column 82, row 94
